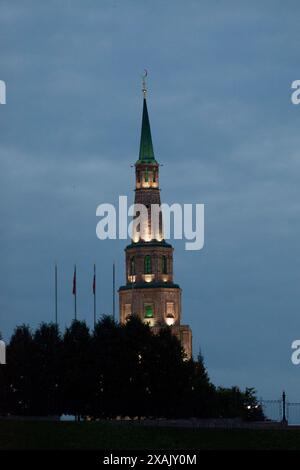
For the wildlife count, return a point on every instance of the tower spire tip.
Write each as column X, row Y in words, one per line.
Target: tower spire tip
column 144, row 85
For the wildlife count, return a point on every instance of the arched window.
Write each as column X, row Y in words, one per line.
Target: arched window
column 146, row 175
column 164, row 265
column 132, row 266
column 149, row 311
column 147, row 264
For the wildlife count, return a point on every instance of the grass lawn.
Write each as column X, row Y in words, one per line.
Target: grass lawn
column 91, row 435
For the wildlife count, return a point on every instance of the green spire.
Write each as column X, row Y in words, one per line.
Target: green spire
column 146, row 148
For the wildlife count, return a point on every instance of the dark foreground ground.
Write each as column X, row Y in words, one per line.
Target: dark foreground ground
column 91, row 435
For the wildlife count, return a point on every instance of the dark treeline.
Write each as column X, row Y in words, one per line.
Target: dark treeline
column 117, row 370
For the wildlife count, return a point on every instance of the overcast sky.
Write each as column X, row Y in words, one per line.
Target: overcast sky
column 225, row 130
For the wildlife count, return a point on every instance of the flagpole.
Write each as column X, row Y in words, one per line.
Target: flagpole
column 94, row 289
column 114, row 284
column 75, row 293
column 55, row 293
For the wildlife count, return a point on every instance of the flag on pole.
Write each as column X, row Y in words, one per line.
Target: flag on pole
column 94, row 280
column 75, row 293
column 94, row 293
column 74, row 281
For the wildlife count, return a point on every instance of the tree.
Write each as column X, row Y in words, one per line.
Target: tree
column 77, row 370
column 200, row 392
column 121, row 370
column 47, row 370
column 137, row 355
column 20, row 372
column 252, row 410
column 108, row 372
column 3, row 387
column 233, row 403
column 168, row 375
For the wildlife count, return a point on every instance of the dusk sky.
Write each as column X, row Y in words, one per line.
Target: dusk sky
column 224, row 128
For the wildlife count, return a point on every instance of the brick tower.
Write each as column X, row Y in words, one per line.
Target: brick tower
column 150, row 292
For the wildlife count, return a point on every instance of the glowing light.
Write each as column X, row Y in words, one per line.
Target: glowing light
column 148, row 277
column 170, row 320
column 149, row 321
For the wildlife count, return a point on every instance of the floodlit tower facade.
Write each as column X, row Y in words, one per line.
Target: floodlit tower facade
column 150, row 292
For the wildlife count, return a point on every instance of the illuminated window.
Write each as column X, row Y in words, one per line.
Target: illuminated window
column 148, row 311
column 146, row 175
column 164, row 264
column 147, row 264
column 170, row 308
column 170, row 316
column 127, row 311
column 132, row 266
